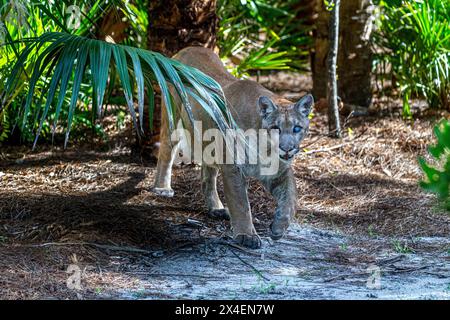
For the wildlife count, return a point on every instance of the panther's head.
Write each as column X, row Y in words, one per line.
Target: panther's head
column 289, row 119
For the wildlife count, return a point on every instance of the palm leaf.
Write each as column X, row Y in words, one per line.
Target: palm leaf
column 62, row 60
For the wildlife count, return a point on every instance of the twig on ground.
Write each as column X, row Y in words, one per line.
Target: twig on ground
column 326, row 149
column 259, row 273
column 390, row 260
column 236, row 246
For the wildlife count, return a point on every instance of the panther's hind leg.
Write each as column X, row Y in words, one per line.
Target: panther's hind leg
column 209, row 188
column 167, row 153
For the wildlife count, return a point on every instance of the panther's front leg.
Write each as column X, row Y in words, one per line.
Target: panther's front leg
column 235, row 187
column 284, row 190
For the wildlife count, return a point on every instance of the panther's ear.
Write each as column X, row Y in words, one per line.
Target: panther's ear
column 304, row 105
column 266, row 106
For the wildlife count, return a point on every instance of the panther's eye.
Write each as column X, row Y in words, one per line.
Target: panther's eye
column 297, row 129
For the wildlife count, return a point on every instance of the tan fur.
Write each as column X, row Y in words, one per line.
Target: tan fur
column 243, row 101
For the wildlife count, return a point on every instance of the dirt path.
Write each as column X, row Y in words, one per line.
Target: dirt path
column 308, row 264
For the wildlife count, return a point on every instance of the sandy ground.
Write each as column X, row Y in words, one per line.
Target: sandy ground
column 82, row 224
column 308, row 264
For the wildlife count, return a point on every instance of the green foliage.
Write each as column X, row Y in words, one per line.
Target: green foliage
column 260, row 59
column 438, row 179
column 263, row 35
column 62, row 62
column 21, row 20
column 414, row 36
column 137, row 17
column 329, row 4
column 53, row 76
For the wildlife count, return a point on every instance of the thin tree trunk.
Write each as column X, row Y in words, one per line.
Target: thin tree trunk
column 333, row 111
column 174, row 25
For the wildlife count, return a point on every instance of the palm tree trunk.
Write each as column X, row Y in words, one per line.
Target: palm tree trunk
column 174, row 25
column 355, row 56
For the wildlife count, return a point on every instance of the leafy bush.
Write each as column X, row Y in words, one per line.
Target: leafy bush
column 438, row 177
column 414, row 36
column 263, row 34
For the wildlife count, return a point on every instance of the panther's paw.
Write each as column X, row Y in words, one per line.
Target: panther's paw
column 164, row 192
column 276, row 231
column 219, row 213
column 252, row 241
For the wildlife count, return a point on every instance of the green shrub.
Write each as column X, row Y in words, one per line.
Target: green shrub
column 438, row 176
column 414, row 36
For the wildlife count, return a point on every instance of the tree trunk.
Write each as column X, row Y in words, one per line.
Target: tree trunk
column 174, row 25
column 355, row 56
column 112, row 27
column 333, row 111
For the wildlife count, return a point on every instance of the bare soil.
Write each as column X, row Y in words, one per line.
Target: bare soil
column 360, row 212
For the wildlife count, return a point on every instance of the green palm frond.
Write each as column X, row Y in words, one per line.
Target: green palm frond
column 61, row 62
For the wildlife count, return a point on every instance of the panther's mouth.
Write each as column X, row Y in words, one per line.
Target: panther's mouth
column 287, row 156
